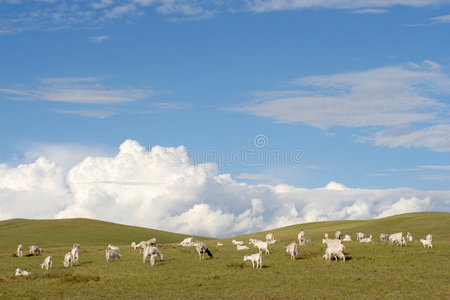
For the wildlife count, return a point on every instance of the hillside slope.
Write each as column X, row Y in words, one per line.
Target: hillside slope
column 418, row 224
column 87, row 232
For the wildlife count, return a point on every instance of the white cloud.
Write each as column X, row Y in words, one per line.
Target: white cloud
column 161, row 188
column 441, row 19
column 98, row 39
column 64, row 14
column 280, row 5
column 77, row 90
column 390, row 97
column 404, row 205
column 434, row 137
column 370, row 11
column 434, row 167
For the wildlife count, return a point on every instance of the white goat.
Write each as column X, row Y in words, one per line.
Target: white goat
column 270, row 238
column 153, row 259
column 219, row 244
column 48, row 263
column 187, row 242
column 347, row 238
column 255, row 258
column 336, row 250
column 142, row 245
column 384, row 237
column 331, row 241
column 202, row 249
column 359, row 235
column 397, row 238
column 115, row 248
column 75, row 253
column 68, row 260
column 111, row 254
column 241, row 247
column 263, row 246
column 19, row 250
column 292, row 250
column 237, row 242
column 20, row 272
column 149, row 251
column 366, row 240
column 426, row 243
column 35, row 250
column 253, row 241
column 409, row 237
column 338, row 235
column 302, row 238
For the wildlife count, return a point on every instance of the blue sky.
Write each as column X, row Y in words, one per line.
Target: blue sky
column 350, row 92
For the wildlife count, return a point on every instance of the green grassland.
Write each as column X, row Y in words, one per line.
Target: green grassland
column 375, row 270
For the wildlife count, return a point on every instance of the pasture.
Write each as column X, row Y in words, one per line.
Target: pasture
column 375, row 270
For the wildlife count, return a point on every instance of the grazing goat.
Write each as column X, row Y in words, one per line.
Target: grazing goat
column 336, row 250
column 338, row 235
column 331, row 241
column 48, row 263
column 263, row 246
column 142, row 245
column 347, row 238
column 426, row 243
column 241, row 247
column 202, row 249
column 270, row 238
column 153, row 259
column 19, row 250
column 253, row 241
column 366, row 240
column 115, row 248
column 111, row 254
column 384, row 237
column 409, row 237
column 75, row 253
column 257, row 257
column 35, row 250
column 397, row 238
column 292, row 250
column 187, row 242
column 68, row 260
column 149, row 251
column 359, row 235
column 219, row 244
column 302, row 238
column 237, row 242
column 20, row 272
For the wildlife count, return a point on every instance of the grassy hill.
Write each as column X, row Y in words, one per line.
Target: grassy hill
column 418, row 224
column 375, row 270
column 87, row 232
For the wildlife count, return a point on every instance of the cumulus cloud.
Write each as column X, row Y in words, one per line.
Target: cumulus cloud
column 161, row 188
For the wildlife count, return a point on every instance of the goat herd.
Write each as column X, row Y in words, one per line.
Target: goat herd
column 335, row 248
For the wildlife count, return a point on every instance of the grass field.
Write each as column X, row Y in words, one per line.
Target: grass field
column 375, row 270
